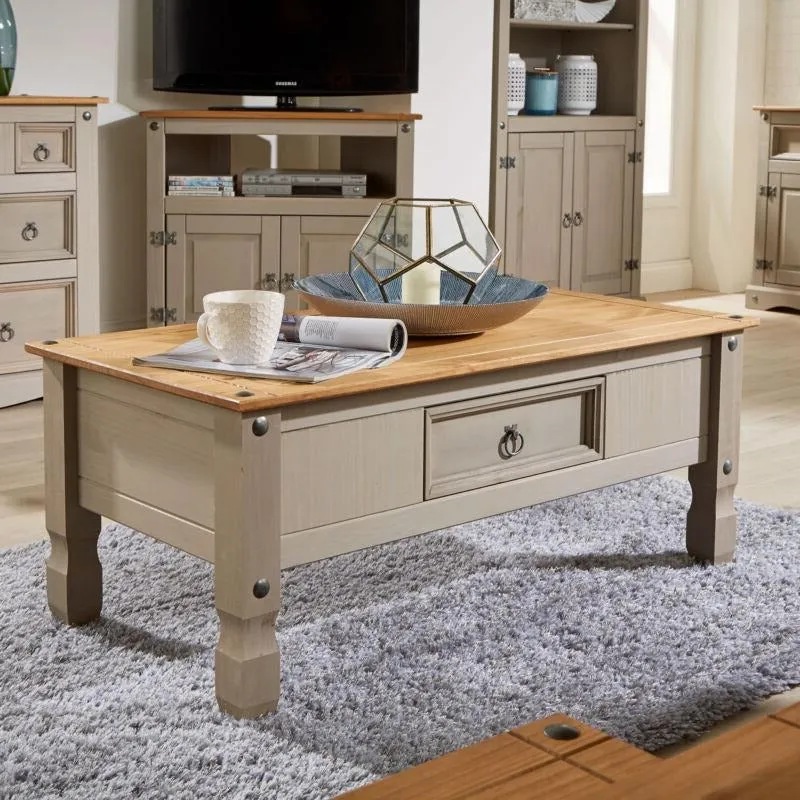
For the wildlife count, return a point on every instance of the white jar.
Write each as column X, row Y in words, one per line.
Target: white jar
column 577, row 84
column 516, row 84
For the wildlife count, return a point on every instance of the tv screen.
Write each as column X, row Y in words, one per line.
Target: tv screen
column 286, row 47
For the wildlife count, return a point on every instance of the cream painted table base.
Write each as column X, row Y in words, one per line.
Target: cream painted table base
column 255, row 476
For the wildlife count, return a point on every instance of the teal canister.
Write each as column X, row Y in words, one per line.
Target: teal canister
column 541, row 91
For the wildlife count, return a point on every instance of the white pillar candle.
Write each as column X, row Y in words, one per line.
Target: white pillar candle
column 421, row 285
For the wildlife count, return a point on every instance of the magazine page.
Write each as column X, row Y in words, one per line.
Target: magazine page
column 387, row 335
column 292, row 361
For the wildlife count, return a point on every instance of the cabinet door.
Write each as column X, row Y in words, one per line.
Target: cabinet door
column 214, row 253
column 314, row 245
column 783, row 231
column 602, row 232
column 539, row 207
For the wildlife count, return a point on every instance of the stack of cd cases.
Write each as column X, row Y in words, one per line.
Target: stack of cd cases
column 302, row 182
column 200, row 186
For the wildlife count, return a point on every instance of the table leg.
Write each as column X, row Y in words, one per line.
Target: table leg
column 247, row 496
column 74, row 574
column 711, row 522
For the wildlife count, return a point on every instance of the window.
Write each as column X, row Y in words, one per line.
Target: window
column 660, row 92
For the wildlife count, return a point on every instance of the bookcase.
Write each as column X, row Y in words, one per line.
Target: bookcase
column 205, row 244
column 566, row 191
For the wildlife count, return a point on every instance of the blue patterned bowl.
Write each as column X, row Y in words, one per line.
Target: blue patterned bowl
column 500, row 300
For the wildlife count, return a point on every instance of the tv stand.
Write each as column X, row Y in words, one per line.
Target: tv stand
column 203, row 244
column 289, row 103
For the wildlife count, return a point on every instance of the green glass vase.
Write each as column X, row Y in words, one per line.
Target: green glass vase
column 8, row 47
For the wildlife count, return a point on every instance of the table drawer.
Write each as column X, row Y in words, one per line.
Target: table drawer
column 45, row 147
column 32, row 312
column 37, row 227
column 491, row 440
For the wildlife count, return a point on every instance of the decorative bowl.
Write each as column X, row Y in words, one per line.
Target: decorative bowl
column 501, row 300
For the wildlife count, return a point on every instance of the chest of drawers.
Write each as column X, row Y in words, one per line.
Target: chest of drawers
column 49, row 270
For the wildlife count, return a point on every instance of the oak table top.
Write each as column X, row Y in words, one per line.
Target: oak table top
column 565, row 325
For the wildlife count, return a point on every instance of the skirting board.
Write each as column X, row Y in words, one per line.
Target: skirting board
column 666, row 276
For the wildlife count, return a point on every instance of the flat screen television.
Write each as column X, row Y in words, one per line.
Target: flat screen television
column 286, row 48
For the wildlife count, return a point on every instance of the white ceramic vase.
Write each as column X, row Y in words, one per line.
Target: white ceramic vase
column 577, row 85
column 516, row 84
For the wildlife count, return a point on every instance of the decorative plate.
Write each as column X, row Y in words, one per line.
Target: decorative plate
column 593, row 12
column 501, row 300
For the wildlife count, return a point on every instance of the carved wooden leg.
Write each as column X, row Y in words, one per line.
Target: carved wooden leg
column 74, row 574
column 247, row 467
column 711, row 522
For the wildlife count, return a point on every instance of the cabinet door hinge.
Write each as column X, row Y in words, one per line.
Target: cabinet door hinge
column 636, row 157
column 768, row 191
column 163, row 238
column 163, row 314
column 763, row 264
column 508, row 162
column 632, row 263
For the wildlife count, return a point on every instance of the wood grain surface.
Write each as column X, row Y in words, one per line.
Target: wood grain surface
column 565, row 325
column 244, row 113
column 35, row 100
column 759, row 760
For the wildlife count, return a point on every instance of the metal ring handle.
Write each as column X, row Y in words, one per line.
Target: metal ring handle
column 42, row 152
column 6, row 332
column 511, row 443
column 269, row 282
column 578, row 219
column 567, row 221
column 30, row 231
column 286, row 282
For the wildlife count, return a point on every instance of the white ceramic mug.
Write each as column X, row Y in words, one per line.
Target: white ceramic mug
column 241, row 326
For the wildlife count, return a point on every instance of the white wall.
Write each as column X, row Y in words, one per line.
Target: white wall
column 731, row 44
column 102, row 47
column 455, row 99
column 782, row 82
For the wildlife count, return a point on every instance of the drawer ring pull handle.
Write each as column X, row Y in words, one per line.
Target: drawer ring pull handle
column 567, row 220
column 578, row 219
column 512, row 442
column 42, row 152
column 6, row 332
column 30, row 231
column 269, row 282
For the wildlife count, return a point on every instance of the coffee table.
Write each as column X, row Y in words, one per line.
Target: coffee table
column 256, row 475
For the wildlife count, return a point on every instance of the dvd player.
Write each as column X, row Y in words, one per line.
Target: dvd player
column 301, row 177
column 301, row 190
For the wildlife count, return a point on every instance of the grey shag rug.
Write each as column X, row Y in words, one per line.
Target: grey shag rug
column 401, row 653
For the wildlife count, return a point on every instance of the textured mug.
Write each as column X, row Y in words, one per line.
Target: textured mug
column 241, row 326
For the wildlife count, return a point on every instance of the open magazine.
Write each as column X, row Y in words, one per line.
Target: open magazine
column 309, row 349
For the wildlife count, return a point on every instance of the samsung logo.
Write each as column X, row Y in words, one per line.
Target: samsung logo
column 286, row 83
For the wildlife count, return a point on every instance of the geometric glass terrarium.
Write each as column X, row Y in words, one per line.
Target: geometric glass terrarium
column 424, row 251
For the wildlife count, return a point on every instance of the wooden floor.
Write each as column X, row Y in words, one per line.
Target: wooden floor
column 769, row 470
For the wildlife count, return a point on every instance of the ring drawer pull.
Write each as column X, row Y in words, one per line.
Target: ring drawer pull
column 269, row 282
column 42, row 152
column 567, row 220
column 30, row 231
column 578, row 220
column 6, row 332
column 286, row 282
column 512, row 442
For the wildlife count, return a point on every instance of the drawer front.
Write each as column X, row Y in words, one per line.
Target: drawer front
column 351, row 469
column 482, row 442
column 45, row 147
column 37, row 227
column 32, row 312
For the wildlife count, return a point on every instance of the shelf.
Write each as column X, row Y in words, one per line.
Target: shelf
column 563, row 25
column 263, row 206
column 567, row 122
